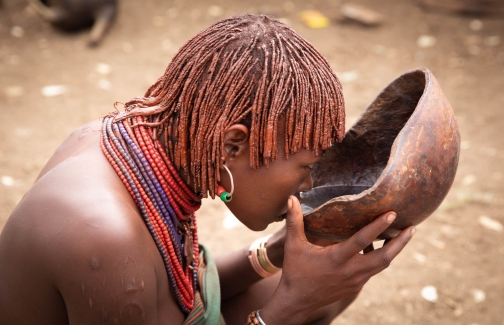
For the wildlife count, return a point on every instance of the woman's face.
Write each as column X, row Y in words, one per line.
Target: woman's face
column 260, row 196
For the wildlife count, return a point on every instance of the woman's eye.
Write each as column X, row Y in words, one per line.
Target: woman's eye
column 310, row 167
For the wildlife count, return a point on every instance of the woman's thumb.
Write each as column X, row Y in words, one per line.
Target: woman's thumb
column 294, row 222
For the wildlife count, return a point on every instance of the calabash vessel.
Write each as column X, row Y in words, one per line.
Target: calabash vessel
column 401, row 155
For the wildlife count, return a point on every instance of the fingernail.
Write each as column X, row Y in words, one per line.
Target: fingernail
column 391, row 217
column 413, row 231
column 289, row 202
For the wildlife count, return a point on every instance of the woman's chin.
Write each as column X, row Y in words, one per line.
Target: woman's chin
column 255, row 226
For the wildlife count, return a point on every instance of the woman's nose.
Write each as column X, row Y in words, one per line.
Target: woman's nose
column 306, row 185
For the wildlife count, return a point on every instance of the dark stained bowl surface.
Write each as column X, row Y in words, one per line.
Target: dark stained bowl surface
column 401, row 155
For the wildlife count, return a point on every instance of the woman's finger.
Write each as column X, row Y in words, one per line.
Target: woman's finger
column 381, row 258
column 364, row 237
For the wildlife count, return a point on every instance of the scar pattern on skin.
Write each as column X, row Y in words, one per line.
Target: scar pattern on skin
column 126, row 282
column 126, row 270
column 132, row 313
column 94, row 263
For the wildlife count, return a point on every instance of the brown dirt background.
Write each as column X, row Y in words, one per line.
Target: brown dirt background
column 452, row 250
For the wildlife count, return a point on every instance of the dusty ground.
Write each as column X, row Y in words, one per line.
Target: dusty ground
column 453, row 251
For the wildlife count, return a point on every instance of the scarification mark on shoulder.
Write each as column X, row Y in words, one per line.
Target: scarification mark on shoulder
column 132, row 313
column 127, row 271
column 92, row 225
column 94, row 263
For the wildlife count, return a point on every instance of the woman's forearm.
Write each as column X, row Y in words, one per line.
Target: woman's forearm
column 235, row 271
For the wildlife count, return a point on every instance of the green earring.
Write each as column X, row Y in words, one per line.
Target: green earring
column 221, row 191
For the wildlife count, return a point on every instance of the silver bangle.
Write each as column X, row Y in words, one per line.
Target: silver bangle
column 259, row 318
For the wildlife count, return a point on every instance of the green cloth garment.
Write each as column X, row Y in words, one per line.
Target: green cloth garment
column 206, row 310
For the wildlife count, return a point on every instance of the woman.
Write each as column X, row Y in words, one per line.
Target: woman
column 108, row 233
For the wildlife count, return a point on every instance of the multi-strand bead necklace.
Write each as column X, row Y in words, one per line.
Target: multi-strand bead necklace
column 166, row 203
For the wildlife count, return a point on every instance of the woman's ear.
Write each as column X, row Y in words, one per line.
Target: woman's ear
column 236, row 142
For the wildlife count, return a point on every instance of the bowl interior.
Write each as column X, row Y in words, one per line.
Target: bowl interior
column 355, row 164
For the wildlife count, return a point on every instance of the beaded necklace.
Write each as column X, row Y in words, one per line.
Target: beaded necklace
column 166, row 203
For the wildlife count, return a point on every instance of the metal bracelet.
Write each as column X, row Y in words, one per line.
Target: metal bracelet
column 259, row 318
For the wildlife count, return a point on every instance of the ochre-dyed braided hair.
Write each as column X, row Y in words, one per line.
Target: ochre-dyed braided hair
column 248, row 69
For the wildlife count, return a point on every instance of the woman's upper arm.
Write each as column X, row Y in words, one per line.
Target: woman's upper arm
column 109, row 280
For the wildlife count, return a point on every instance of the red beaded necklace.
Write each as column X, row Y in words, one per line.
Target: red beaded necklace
column 166, row 203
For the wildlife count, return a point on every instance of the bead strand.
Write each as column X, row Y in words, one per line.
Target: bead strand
column 147, row 173
column 163, row 198
column 183, row 299
column 156, row 221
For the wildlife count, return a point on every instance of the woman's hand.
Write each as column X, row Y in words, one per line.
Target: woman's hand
column 315, row 276
column 276, row 243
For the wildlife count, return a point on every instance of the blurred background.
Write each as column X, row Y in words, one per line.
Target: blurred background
column 52, row 81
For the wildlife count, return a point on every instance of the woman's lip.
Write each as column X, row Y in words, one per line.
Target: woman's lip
column 282, row 217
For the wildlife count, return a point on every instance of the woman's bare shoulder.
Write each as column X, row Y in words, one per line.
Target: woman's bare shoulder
column 80, row 203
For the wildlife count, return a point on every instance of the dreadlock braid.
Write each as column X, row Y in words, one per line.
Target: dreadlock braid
column 247, row 69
